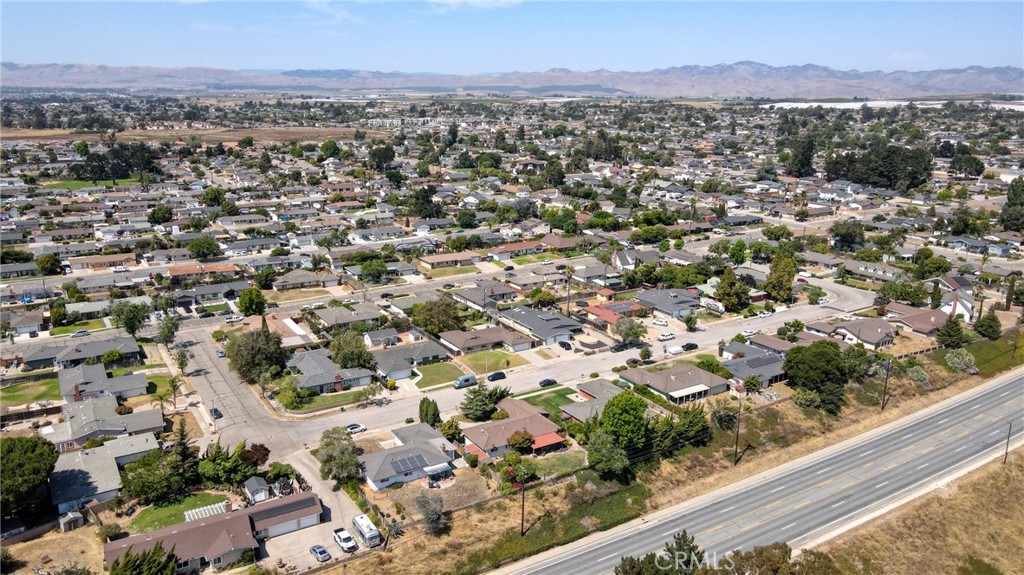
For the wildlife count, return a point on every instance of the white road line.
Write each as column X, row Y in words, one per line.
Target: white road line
column 996, row 431
column 961, row 448
column 777, row 489
column 869, row 452
column 881, row 484
column 1004, row 394
column 922, row 466
column 975, row 407
column 944, row 420
column 608, row 556
column 728, row 509
column 908, row 435
column 667, row 533
column 838, row 504
column 788, row 526
column 823, row 470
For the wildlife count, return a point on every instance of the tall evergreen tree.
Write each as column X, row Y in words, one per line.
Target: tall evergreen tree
column 936, row 295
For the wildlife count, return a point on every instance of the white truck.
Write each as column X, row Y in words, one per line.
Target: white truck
column 344, row 540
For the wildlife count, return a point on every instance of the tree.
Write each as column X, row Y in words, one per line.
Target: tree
column 112, row 357
column 214, row 197
column 349, row 350
column 436, row 316
column 160, row 398
column 848, row 233
column 541, row 297
column 130, row 316
column 181, row 359
column 752, row 384
column 168, row 329
column 989, row 326
column 337, row 456
column 160, row 215
column 154, row 477
column 264, row 279
column 429, row 412
column 520, row 440
column 629, row 329
column 681, row 556
column 936, row 295
column 48, row 264
column 153, row 561
column 431, row 507
column 477, row 404
column 1012, row 215
column 203, row 247
column 604, row 454
column 801, row 161
column 254, row 352
column 451, row 430
column 960, row 360
column 251, row 301
column 777, row 233
column 779, row 284
column 645, row 353
column 691, row 322
column 818, row 367
column 245, row 142
column 381, row 156
column 330, row 149
column 951, row 334
column 373, row 271
column 732, row 293
column 738, row 252
column 625, row 418
column 28, row 463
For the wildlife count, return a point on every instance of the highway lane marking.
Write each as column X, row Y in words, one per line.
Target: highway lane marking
column 907, row 435
column 944, row 420
column 777, row 489
column 838, row 504
column 667, row 533
column 728, row 509
column 922, row 466
column 788, row 526
column 996, row 431
column 608, row 557
column 1004, row 394
column 881, row 484
column 867, row 453
column 959, row 449
column 823, row 470
column 975, row 407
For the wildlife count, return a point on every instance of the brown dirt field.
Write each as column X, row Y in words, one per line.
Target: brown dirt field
column 192, row 428
column 81, row 546
column 470, row 487
column 372, row 443
column 417, row 553
column 981, row 515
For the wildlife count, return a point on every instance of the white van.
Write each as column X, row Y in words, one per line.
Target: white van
column 676, row 350
column 367, row 531
column 467, row 380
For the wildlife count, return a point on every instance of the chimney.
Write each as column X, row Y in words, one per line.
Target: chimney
column 956, row 299
column 78, row 393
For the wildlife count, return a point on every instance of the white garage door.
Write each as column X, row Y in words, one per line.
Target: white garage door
column 282, row 528
column 309, row 521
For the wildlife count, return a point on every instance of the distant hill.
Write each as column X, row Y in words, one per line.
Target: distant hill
column 741, row 79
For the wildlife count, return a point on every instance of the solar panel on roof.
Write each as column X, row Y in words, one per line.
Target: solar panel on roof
column 408, row 463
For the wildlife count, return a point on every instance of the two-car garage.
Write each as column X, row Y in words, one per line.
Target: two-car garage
column 290, row 514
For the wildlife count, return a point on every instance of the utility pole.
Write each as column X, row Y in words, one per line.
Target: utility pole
column 522, row 509
column 1009, row 432
column 736, row 448
column 885, row 388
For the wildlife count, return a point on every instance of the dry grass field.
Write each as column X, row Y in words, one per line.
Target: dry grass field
column 56, row 550
column 980, row 515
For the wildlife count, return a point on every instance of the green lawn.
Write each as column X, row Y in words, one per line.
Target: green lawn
column 494, row 360
column 991, row 357
column 452, row 271
column 92, row 324
column 325, row 400
column 535, row 258
column 79, row 184
column 560, row 464
column 44, row 389
column 551, row 401
column 215, row 308
column 160, row 516
column 437, row 373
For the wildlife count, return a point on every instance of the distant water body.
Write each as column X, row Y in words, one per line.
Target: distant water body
column 1019, row 106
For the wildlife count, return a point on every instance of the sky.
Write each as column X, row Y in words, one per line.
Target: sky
column 493, row 36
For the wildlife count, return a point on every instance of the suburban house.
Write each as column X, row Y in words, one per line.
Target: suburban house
column 465, row 342
column 483, row 297
column 297, row 279
column 490, row 440
column 680, row 383
column 221, row 539
column 513, row 250
column 101, row 262
column 96, row 417
column 24, row 322
column 466, row 258
column 63, row 355
column 381, row 337
column 201, row 271
column 545, row 326
column 873, row 333
column 608, row 314
column 315, row 370
column 100, row 308
column 767, row 367
column 670, row 304
column 710, row 289
column 210, row 293
column 925, row 321
column 419, row 451
column 89, row 381
column 340, row 317
column 93, row 475
column 596, row 394
column 398, row 362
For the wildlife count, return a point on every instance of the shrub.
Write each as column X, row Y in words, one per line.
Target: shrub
column 472, row 459
column 123, row 410
column 108, row 531
column 409, row 420
column 806, row 398
column 960, row 360
column 593, row 375
column 917, row 374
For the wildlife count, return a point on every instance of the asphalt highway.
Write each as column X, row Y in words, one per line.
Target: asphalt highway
column 798, row 504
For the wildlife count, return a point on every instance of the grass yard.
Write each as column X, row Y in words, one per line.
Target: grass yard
column 437, row 373
column 192, row 428
column 160, row 516
column 294, row 294
column 326, row 400
column 42, row 390
column 494, row 360
column 543, row 353
column 551, row 401
column 79, row 184
column 452, row 271
column 991, row 357
column 870, row 286
column 92, row 324
column 560, row 464
column 214, row 308
column 535, row 258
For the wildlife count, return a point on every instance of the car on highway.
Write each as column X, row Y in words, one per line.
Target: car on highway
column 354, row 428
column 320, row 553
column 689, row 346
column 548, row 382
column 666, row 336
column 234, row 319
column 749, row 333
column 496, row 376
column 216, row 413
column 619, row 347
column 220, row 353
column 80, row 333
column 660, row 322
column 565, row 345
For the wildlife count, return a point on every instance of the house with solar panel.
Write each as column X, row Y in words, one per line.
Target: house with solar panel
column 420, row 452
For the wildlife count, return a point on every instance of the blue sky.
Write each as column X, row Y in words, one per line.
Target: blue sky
column 482, row 36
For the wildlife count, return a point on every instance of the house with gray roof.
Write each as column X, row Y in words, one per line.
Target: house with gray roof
column 767, row 367
column 669, row 303
column 546, row 326
column 420, row 451
column 596, row 394
column 315, row 370
column 398, row 362
column 89, row 381
column 94, row 474
column 680, row 383
column 464, row 342
column 341, row 317
column 301, row 278
column 873, row 333
column 96, row 417
column 78, row 353
column 95, row 309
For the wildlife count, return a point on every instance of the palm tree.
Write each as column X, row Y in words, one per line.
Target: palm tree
column 985, row 258
column 160, row 397
column 175, row 384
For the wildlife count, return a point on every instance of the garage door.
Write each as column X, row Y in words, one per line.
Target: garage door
column 282, row 528
column 309, row 521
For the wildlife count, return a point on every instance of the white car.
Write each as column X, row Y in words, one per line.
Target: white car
column 749, row 333
column 354, row 428
column 823, row 300
column 546, row 262
column 660, row 322
column 847, row 317
column 120, row 269
column 765, row 314
column 234, row 319
column 666, row 336
column 805, row 274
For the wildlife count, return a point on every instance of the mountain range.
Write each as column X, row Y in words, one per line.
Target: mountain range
column 741, row 79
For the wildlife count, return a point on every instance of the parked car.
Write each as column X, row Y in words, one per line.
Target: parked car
column 548, row 382
column 509, row 268
column 387, row 295
column 847, row 317
column 220, row 353
column 660, row 322
column 216, row 414
column 207, row 314
column 689, row 346
column 582, row 303
column 749, row 333
column 666, row 336
column 354, row 428
column 496, row 376
column 633, row 361
column 561, row 267
column 823, row 300
column 80, row 333
column 234, row 319
column 320, row 553
column 565, row 345
column 462, row 381
column 805, row 274
column 619, row 347
column 224, row 312
column 120, row 269
column 546, row 262
column 448, row 286
column 765, row 314
column 344, row 540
